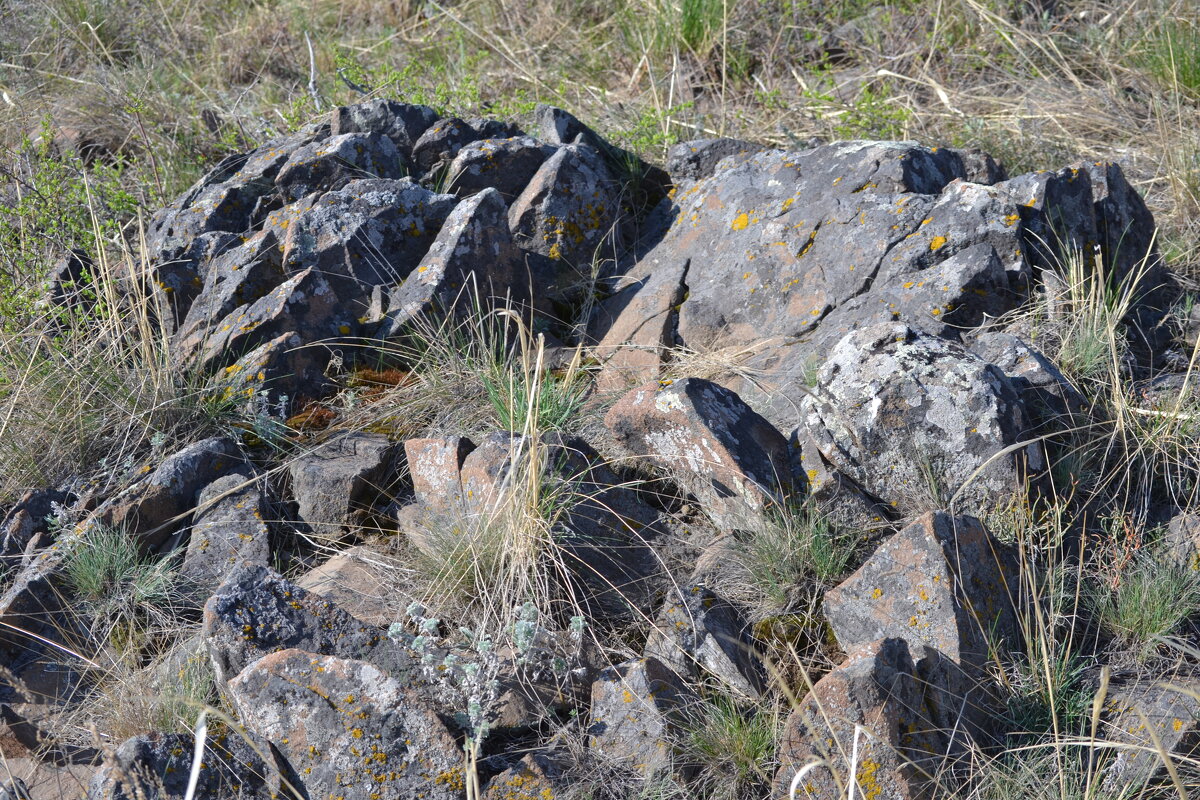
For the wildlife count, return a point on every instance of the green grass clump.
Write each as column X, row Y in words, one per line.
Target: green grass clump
column 733, row 748
column 1145, row 604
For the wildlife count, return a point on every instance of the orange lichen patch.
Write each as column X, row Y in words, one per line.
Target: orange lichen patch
column 1011, row 219
column 740, row 222
column 937, row 242
column 313, row 418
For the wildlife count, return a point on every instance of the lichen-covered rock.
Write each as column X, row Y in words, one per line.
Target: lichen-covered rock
column 569, row 212
column 698, row 632
column 878, row 688
column 403, row 123
column 697, row 159
column 434, row 466
column 638, row 708
column 440, row 143
column 334, row 162
column 157, row 766
column 712, row 443
column 942, row 581
column 229, row 530
column 360, row 581
column 369, row 233
column 1143, row 719
column 283, row 368
column 305, row 304
column 1182, row 541
column 347, row 729
column 472, row 264
column 257, row 612
column 535, row 777
column 1048, row 397
column 25, row 520
column 160, row 504
column 918, row 421
column 506, row 165
column 36, row 624
column 342, row 476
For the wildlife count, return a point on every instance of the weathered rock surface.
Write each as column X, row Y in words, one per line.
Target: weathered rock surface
column 403, row 123
column 506, row 165
column 345, row 475
column 720, row 450
column 159, row 766
column 326, row 164
column 360, row 581
column 348, row 729
column 942, row 581
column 1146, row 718
column 257, row 612
column 638, row 707
column 229, row 530
column 698, row 632
column 918, row 421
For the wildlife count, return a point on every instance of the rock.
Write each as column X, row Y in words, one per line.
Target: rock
column 341, row 477
column 1182, row 541
column 877, row 687
column 348, row 729
column 360, row 581
column 699, row 633
column 159, row 505
column 636, row 325
column 14, row 789
column 305, row 304
column 403, row 123
column 434, row 466
column 35, row 619
column 942, row 581
column 506, row 165
column 569, row 213
column 471, row 266
column 229, row 530
column 158, row 765
column 369, row 233
column 334, row 162
column 33, row 779
column 284, row 368
column 559, row 127
column 25, row 520
column 178, row 280
column 698, row 159
column 238, row 276
column 918, row 421
column 225, row 199
column 833, row 495
column 67, row 282
column 1142, row 718
column 257, row 612
column 638, row 707
column 440, row 143
column 535, row 777
column 1048, row 397
column 712, row 443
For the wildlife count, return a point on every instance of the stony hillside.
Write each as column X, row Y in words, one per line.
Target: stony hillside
column 502, row 463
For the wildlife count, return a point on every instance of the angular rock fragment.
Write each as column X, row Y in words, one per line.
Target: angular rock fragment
column 434, row 466
column 702, row 434
column 347, row 729
column 403, row 123
column 334, row 162
column 698, row 632
column 1182, row 541
column 229, row 530
column 1143, row 719
column 638, row 707
column 942, row 581
column 917, row 421
column 697, row 159
column 536, row 777
column 284, row 369
column 506, row 165
column 341, row 477
column 153, row 509
column 257, row 612
column 1048, row 397
column 877, row 687
column 360, row 581
column 159, row 765
column 472, row 264
column 441, row 142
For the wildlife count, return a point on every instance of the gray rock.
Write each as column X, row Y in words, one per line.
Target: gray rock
column 472, row 264
column 35, row 617
column 176, row 281
column 334, row 162
column 257, row 612
column 1048, row 397
column 157, row 766
column 348, row 729
column 878, row 688
column 506, row 165
column 917, row 420
column 285, row 368
column 229, row 530
column 941, row 582
column 1142, row 716
column 638, row 708
column 440, row 143
column 1182, row 541
column 697, row 159
column 345, row 475
column 699, row 633
column 403, row 123
column 159, row 505
column 712, row 443
column 434, row 466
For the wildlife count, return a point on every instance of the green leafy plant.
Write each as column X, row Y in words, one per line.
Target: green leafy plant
column 732, row 747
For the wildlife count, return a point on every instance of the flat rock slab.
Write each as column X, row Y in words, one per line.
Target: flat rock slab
column 347, row 729
column 360, row 581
